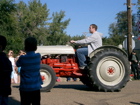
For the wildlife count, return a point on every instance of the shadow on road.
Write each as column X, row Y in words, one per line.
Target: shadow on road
column 12, row 101
column 74, row 86
column 15, row 86
column 135, row 103
column 78, row 103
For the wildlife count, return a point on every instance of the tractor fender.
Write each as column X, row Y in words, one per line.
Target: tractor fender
column 106, row 47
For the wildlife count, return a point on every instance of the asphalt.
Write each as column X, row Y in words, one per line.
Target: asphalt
column 75, row 93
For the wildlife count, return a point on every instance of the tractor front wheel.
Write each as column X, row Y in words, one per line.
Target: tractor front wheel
column 48, row 77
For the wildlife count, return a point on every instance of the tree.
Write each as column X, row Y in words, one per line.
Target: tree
column 6, row 16
column 7, row 22
column 118, row 29
column 138, row 4
column 57, row 34
column 21, row 20
column 33, row 19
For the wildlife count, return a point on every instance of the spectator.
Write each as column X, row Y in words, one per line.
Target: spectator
column 73, row 78
column 30, row 78
column 58, row 79
column 5, row 73
column 134, row 64
column 14, row 77
column 21, row 52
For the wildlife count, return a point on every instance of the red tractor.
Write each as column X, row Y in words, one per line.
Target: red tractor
column 108, row 68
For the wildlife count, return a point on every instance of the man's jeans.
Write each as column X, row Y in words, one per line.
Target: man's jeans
column 81, row 54
column 3, row 100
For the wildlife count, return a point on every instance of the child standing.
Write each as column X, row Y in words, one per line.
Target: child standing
column 30, row 79
column 5, row 73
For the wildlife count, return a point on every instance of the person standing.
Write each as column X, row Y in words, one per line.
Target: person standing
column 69, row 78
column 94, row 41
column 14, row 77
column 21, row 52
column 5, row 73
column 134, row 64
column 30, row 78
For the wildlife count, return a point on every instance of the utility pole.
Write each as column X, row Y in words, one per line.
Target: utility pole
column 129, row 33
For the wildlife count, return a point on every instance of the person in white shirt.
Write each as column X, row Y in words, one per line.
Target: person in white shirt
column 14, row 76
column 94, row 41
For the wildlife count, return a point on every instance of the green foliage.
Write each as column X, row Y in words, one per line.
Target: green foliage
column 77, row 37
column 7, row 22
column 32, row 19
column 118, row 29
column 57, row 35
column 138, row 5
column 21, row 20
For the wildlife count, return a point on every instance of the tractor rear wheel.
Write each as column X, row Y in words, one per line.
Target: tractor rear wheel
column 48, row 77
column 109, row 69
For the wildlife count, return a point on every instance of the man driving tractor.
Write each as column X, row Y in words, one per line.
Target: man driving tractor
column 94, row 41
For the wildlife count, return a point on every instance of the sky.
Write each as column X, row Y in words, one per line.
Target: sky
column 85, row 12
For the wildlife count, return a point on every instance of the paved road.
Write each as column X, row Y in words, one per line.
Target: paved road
column 75, row 93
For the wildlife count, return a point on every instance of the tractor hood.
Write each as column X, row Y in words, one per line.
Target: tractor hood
column 57, row 49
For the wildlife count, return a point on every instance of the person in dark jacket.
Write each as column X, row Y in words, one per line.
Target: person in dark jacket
column 5, row 73
column 134, row 64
